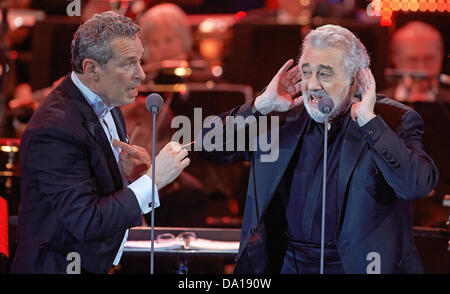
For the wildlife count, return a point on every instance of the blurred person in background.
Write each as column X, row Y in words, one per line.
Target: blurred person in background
column 417, row 54
column 166, row 35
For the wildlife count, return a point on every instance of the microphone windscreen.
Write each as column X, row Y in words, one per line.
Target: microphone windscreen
column 154, row 102
column 326, row 105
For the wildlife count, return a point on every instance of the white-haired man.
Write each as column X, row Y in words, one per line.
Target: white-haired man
column 375, row 168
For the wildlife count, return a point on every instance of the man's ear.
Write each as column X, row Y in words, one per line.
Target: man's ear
column 354, row 85
column 91, row 68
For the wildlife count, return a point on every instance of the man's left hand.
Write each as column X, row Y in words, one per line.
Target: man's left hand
column 364, row 110
column 133, row 159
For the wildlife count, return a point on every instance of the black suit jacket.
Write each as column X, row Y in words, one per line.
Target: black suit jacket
column 379, row 174
column 72, row 196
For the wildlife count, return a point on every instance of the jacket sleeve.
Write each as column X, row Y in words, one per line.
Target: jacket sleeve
column 400, row 157
column 60, row 163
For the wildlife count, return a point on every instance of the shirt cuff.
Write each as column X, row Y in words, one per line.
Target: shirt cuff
column 373, row 129
column 143, row 191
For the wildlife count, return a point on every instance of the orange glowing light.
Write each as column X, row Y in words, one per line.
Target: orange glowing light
column 423, row 6
column 395, row 5
column 404, row 5
column 384, row 8
column 440, row 6
column 414, row 6
column 432, row 6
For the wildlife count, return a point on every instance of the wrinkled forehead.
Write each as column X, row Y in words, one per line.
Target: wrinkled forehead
column 126, row 47
column 322, row 59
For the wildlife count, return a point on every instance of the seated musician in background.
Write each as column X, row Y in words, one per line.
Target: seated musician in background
column 165, row 35
column 417, row 53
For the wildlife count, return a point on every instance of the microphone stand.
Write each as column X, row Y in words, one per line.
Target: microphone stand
column 152, row 248
column 153, row 103
column 324, row 186
column 326, row 105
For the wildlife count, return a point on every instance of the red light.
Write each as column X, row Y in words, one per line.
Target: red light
column 385, row 22
column 240, row 15
column 226, row 220
column 13, row 54
column 4, row 227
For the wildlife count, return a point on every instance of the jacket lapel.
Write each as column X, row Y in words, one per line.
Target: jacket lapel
column 94, row 127
column 352, row 149
column 290, row 132
column 116, row 114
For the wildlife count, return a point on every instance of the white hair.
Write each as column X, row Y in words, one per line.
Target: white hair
column 334, row 36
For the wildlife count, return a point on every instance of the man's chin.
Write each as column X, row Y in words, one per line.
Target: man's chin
column 130, row 100
column 314, row 113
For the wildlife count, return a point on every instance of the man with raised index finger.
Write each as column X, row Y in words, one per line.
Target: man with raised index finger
column 83, row 187
column 376, row 166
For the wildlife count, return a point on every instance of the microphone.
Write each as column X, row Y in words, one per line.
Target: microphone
column 154, row 102
column 326, row 105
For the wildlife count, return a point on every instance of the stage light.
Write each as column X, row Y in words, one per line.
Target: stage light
column 382, row 7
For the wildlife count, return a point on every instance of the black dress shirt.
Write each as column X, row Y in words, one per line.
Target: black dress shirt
column 304, row 207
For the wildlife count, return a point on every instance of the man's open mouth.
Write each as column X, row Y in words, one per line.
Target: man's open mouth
column 314, row 99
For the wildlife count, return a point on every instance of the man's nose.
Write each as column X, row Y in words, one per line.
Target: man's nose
column 313, row 84
column 140, row 74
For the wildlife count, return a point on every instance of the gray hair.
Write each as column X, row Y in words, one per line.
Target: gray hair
column 335, row 36
column 93, row 38
column 167, row 14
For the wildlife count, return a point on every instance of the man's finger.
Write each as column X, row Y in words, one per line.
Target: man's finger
column 182, row 154
column 185, row 162
column 297, row 101
column 172, row 145
column 293, row 73
column 123, row 156
column 125, row 147
column 298, row 87
column 285, row 67
column 289, row 87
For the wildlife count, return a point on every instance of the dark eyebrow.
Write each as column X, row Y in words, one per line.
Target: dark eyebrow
column 129, row 58
column 304, row 65
column 324, row 67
